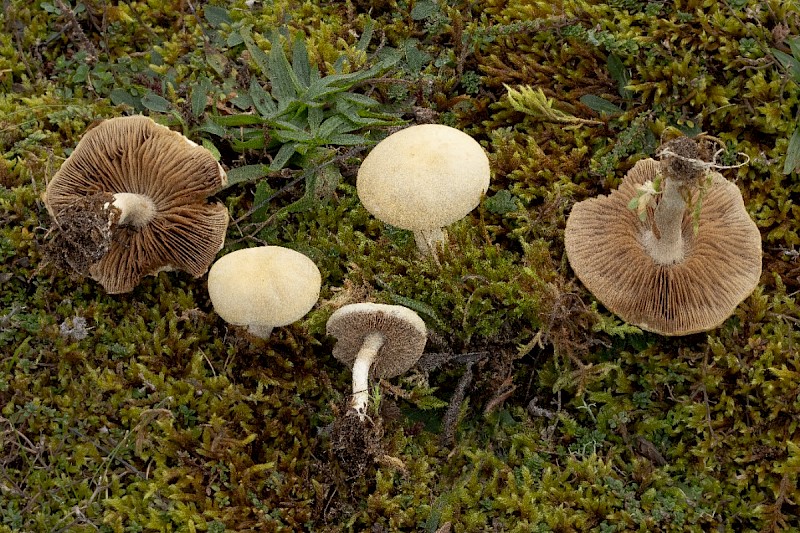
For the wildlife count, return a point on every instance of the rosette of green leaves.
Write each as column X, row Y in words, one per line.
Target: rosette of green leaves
column 296, row 113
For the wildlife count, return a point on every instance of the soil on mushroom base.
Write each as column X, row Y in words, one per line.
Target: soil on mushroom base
column 356, row 444
column 83, row 235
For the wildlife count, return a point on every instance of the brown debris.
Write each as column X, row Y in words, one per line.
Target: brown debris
column 356, row 444
column 83, row 234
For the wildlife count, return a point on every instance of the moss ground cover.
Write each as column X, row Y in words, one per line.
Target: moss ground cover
column 534, row 409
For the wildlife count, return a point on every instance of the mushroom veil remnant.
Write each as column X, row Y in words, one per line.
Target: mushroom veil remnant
column 423, row 178
column 131, row 201
column 263, row 287
column 683, row 260
column 377, row 339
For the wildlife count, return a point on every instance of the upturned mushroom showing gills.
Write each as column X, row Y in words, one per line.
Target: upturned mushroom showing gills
column 376, row 339
column 423, row 178
column 263, row 287
column 673, row 249
column 131, row 200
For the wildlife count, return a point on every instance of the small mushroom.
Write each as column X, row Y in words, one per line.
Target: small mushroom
column 263, row 287
column 674, row 270
column 423, row 178
column 378, row 339
column 130, row 201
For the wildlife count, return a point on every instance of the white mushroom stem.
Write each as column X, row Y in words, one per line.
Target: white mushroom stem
column 366, row 355
column 136, row 210
column 428, row 239
column 668, row 248
column 260, row 331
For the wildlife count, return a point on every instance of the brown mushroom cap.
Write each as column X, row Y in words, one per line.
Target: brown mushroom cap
column 722, row 264
column 403, row 330
column 137, row 156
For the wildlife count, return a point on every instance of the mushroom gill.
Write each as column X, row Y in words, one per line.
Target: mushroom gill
column 154, row 215
column 667, row 272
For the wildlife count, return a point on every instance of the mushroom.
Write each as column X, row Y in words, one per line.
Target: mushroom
column 423, row 178
column 263, row 287
column 686, row 263
column 378, row 339
column 130, row 201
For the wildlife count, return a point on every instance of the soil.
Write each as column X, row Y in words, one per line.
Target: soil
column 356, row 444
column 83, row 234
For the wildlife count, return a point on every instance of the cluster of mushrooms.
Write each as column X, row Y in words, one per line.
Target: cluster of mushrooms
column 132, row 200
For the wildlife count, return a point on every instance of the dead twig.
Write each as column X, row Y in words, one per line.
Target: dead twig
column 451, row 415
column 502, row 394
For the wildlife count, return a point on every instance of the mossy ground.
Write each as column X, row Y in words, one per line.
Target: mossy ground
column 534, row 410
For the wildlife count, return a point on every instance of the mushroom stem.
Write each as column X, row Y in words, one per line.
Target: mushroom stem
column 260, row 331
column 668, row 247
column 136, row 210
column 428, row 239
column 369, row 349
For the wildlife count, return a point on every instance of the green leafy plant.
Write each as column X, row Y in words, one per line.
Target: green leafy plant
column 645, row 193
column 304, row 113
column 535, row 103
column 298, row 118
column 791, row 63
column 619, row 74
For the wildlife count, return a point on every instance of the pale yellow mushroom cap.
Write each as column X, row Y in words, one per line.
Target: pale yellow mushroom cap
column 422, row 177
column 266, row 286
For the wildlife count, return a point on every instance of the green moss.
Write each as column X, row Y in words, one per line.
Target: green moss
column 146, row 412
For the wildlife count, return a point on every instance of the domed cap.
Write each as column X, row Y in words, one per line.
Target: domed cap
column 424, row 176
column 404, row 336
column 263, row 287
column 605, row 246
column 166, row 179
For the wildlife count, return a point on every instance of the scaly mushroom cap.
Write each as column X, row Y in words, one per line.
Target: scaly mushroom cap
column 722, row 265
column 135, row 155
column 403, row 330
column 265, row 286
column 422, row 177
